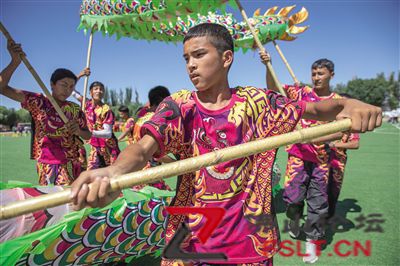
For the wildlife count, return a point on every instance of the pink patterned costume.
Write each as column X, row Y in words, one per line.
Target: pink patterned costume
column 152, row 163
column 54, row 148
column 338, row 159
column 182, row 126
column 307, row 172
column 128, row 124
column 103, row 151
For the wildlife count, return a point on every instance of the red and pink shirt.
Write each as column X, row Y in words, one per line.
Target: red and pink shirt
column 315, row 152
column 53, row 143
column 129, row 125
column 97, row 116
column 184, row 127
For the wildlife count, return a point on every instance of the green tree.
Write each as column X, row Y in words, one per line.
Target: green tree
column 4, row 112
column 128, row 95
column 121, row 97
column 393, row 93
column 23, row 116
column 136, row 96
column 114, row 98
column 11, row 118
column 371, row 91
column 106, row 98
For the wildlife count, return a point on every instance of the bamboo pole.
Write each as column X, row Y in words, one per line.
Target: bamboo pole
column 286, row 62
column 36, row 77
column 261, row 47
column 180, row 167
column 89, row 52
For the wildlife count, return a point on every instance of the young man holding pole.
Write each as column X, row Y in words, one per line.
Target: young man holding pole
column 308, row 166
column 55, row 146
column 213, row 117
column 100, row 118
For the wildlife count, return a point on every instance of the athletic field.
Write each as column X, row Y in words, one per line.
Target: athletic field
column 368, row 215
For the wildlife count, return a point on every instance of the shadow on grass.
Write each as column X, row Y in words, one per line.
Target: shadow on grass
column 278, row 202
column 339, row 222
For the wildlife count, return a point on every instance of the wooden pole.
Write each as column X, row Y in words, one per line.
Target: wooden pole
column 36, row 77
column 286, row 63
column 89, row 52
column 261, row 47
column 189, row 165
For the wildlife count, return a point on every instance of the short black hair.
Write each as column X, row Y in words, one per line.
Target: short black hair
column 218, row 35
column 123, row 109
column 61, row 73
column 96, row 83
column 324, row 63
column 157, row 95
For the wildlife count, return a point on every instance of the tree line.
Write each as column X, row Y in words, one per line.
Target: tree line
column 380, row 91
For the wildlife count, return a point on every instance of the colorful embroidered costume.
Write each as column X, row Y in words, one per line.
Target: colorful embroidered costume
column 128, row 125
column 103, row 151
column 182, row 126
column 307, row 171
column 136, row 137
column 55, row 149
column 338, row 161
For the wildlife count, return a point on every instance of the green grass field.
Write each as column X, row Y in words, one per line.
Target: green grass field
column 371, row 187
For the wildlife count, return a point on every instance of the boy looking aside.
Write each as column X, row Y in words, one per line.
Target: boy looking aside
column 216, row 116
column 55, row 145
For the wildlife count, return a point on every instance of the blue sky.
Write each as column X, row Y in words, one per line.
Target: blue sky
column 361, row 37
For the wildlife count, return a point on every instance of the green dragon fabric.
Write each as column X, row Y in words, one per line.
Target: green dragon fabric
column 129, row 228
column 168, row 21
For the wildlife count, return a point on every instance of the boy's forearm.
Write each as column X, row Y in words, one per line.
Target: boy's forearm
column 6, row 75
column 123, row 135
column 331, row 137
column 324, row 110
column 353, row 145
column 135, row 156
column 270, row 81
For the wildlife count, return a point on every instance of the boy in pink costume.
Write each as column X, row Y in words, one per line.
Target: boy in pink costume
column 213, row 117
column 127, row 125
column 100, row 119
column 55, row 145
column 308, row 166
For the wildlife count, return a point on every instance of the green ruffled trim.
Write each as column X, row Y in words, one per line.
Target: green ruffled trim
column 14, row 183
column 173, row 31
column 11, row 251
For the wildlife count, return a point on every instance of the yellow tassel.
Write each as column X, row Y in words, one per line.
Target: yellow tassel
column 256, row 13
column 297, row 30
column 270, row 11
column 285, row 10
column 299, row 17
column 287, row 37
